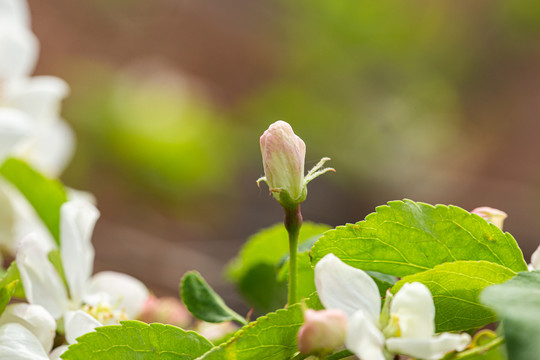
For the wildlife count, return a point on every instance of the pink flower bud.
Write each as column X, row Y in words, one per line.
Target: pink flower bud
column 283, row 156
column 494, row 216
column 166, row 310
column 323, row 331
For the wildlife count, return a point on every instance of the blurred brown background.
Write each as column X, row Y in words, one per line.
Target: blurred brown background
column 436, row 102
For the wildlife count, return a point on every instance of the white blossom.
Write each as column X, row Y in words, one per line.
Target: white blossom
column 108, row 296
column 408, row 329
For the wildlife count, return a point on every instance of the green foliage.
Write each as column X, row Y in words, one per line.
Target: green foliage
column 517, row 303
column 11, row 275
column 137, row 340
column 255, row 269
column 269, row 337
column 203, row 302
column 406, row 237
column 305, row 275
column 456, row 288
column 6, row 292
column 383, row 281
column 45, row 195
column 55, row 258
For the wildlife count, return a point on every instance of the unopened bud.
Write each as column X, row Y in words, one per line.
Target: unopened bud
column 323, row 331
column 166, row 310
column 491, row 215
column 283, row 155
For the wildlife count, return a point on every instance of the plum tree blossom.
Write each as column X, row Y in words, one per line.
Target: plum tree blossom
column 406, row 325
column 108, row 296
column 30, row 124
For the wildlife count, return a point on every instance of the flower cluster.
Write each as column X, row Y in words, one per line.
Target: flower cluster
column 30, row 124
column 406, row 324
column 63, row 296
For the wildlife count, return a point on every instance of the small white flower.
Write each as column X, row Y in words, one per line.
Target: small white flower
column 409, row 327
column 27, row 332
column 535, row 260
column 31, row 128
column 108, row 296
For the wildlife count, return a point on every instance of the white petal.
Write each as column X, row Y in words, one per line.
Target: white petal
column 15, row 128
column 35, row 318
column 15, row 10
column 413, row 305
column 42, row 284
column 18, row 343
column 50, row 149
column 26, row 220
column 364, row 338
column 38, row 96
column 19, row 48
column 77, row 220
column 430, row 349
column 535, row 259
column 343, row 287
column 77, row 323
column 55, row 354
column 119, row 290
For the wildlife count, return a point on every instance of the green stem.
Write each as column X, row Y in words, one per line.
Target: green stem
column 293, row 222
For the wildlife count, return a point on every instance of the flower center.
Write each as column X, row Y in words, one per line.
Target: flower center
column 105, row 314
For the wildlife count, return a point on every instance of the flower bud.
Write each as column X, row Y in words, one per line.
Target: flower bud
column 283, row 156
column 491, row 215
column 323, row 331
column 167, row 310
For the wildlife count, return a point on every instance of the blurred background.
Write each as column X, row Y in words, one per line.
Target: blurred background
column 433, row 101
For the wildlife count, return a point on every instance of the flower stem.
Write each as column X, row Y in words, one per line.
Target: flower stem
column 293, row 222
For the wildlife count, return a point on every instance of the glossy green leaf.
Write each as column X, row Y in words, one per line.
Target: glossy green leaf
column 456, row 288
column 406, row 237
column 269, row 337
column 255, row 269
column 203, row 302
column 6, row 293
column 383, row 281
column 137, row 340
column 45, row 195
column 517, row 303
column 11, row 275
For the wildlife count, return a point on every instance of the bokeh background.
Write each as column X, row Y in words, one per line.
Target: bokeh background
column 433, row 101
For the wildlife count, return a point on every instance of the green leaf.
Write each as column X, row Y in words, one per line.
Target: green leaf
column 45, row 195
column 517, row 303
column 456, row 288
column 12, row 275
column 406, row 237
column 256, row 267
column 203, row 302
column 269, row 337
column 383, row 281
column 6, row 293
column 137, row 340
column 55, row 258
column 304, row 273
